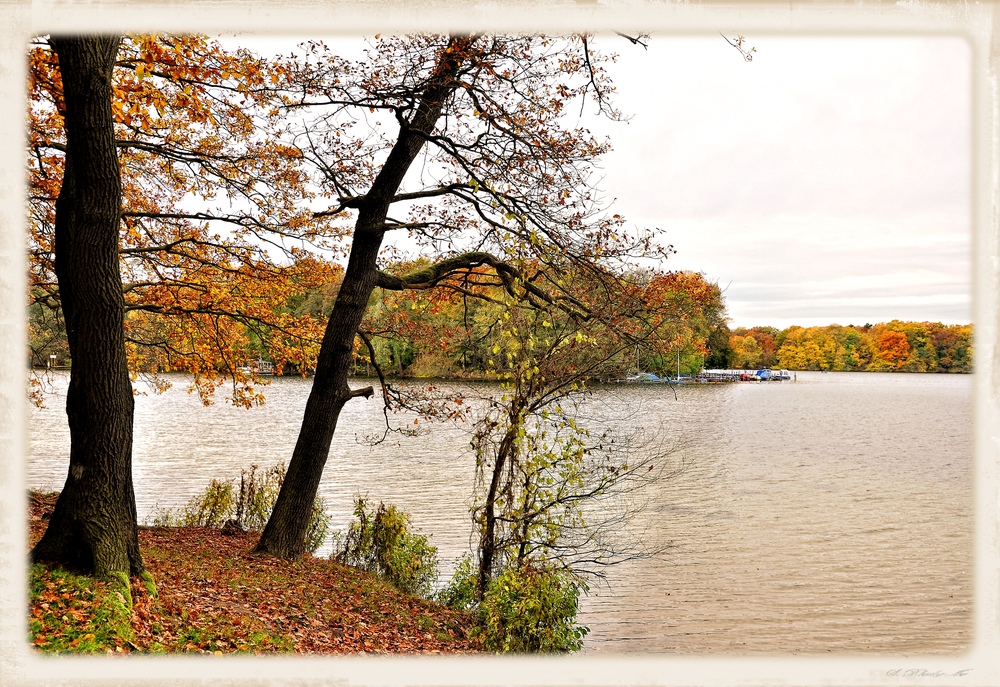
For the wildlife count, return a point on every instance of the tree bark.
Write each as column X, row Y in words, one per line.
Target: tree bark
column 94, row 527
column 285, row 532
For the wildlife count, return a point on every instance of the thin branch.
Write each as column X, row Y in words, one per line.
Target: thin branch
column 640, row 39
column 602, row 104
column 174, row 244
column 738, row 44
column 381, row 379
column 41, row 167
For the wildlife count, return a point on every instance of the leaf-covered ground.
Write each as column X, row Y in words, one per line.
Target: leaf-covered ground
column 215, row 596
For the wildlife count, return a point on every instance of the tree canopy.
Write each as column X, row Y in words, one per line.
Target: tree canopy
column 216, row 231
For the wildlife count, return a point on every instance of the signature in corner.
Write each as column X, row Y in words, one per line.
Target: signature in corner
column 921, row 672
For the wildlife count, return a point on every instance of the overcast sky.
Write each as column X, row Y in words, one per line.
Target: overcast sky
column 827, row 181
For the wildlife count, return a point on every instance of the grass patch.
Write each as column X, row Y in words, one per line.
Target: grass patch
column 76, row 613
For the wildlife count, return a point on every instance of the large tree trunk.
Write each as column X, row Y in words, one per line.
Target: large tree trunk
column 94, row 524
column 285, row 532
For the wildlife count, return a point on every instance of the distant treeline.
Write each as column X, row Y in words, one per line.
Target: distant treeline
column 894, row 346
column 675, row 318
column 422, row 334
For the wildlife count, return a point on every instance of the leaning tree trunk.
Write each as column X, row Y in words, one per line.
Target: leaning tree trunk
column 285, row 533
column 94, row 524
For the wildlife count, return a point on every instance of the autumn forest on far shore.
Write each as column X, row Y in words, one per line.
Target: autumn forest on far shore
column 428, row 337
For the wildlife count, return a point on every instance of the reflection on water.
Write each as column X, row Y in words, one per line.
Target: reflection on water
column 832, row 514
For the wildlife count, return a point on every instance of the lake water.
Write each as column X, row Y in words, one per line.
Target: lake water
column 829, row 514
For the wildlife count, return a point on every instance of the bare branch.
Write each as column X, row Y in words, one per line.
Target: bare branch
column 738, row 44
column 639, row 39
column 378, row 369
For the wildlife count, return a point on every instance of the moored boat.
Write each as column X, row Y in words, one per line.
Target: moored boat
column 646, row 378
column 259, row 367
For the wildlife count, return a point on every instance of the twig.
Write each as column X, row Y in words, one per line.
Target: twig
column 636, row 40
column 738, row 44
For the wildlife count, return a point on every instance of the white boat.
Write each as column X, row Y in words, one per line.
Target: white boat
column 259, row 367
column 648, row 378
